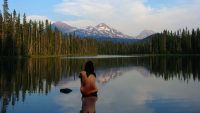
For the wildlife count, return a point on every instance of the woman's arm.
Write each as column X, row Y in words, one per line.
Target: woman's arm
column 83, row 77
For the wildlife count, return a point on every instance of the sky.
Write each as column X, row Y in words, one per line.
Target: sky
column 129, row 16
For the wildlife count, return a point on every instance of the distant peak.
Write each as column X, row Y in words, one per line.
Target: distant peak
column 145, row 33
column 148, row 31
column 63, row 27
column 62, row 24
column 102, row 25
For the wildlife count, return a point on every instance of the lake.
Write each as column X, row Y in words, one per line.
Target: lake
column 127, row 84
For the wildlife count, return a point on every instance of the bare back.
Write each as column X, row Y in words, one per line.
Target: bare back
column 88, row 84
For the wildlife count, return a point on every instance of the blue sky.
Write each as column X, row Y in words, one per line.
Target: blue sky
column 128, row 16
column 167, row 3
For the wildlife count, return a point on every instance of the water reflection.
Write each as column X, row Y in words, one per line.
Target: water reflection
column 22, row 77
column 183, row 68
column 89, row 104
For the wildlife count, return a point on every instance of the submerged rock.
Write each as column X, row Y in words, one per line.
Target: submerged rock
column 65, row 90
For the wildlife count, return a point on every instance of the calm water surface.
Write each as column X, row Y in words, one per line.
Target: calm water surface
column 139, row 84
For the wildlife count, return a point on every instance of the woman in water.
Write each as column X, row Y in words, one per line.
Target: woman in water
column 88, row 80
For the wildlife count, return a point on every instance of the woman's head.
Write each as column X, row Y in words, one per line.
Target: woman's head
column 89, row 68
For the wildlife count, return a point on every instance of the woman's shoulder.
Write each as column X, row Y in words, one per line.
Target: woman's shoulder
column 92, row 75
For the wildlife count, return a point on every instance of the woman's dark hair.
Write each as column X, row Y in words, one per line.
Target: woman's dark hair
column 89, row 68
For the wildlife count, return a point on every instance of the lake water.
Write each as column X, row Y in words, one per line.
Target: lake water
column 136, row 84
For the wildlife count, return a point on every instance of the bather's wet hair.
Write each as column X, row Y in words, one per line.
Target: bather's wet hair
column 89, row 68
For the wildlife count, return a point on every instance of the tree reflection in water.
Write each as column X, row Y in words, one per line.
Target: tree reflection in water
column 19, row 77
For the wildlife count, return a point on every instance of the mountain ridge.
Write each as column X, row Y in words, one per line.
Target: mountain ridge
column 99, row 31
column 63, row 27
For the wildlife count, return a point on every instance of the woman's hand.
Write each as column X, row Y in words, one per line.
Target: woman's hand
column 83, row 77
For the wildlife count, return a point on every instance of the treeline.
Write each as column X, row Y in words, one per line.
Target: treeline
column 167, row 42
column 28, row 38
column 182, row 42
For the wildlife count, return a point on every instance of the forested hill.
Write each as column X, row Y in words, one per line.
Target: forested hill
column 32, row 38
column 179, row 42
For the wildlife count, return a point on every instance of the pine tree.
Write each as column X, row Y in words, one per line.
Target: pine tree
column 24, row 40
column 193, row 38
column 29, row 39
column 6, row 14
column 1, row 34
column 198, row 40
column 163, row 42
column 18, row 36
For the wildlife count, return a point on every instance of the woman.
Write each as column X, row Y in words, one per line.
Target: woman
column 88, row 80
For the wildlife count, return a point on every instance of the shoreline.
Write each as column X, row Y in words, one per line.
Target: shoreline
column 96, row 55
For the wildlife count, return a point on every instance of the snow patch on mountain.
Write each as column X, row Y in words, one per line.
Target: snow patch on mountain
column 101, row 30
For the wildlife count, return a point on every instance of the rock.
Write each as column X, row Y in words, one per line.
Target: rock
column 65, row 90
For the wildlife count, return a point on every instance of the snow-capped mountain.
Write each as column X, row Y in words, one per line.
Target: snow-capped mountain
column 145, row 34
column 63, row 27
column 88, row 31
column 105, row 29
column 99, row 31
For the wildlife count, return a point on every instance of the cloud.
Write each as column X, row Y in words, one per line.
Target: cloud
column 38, row 18
column 131, row 16
column 91, row 9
